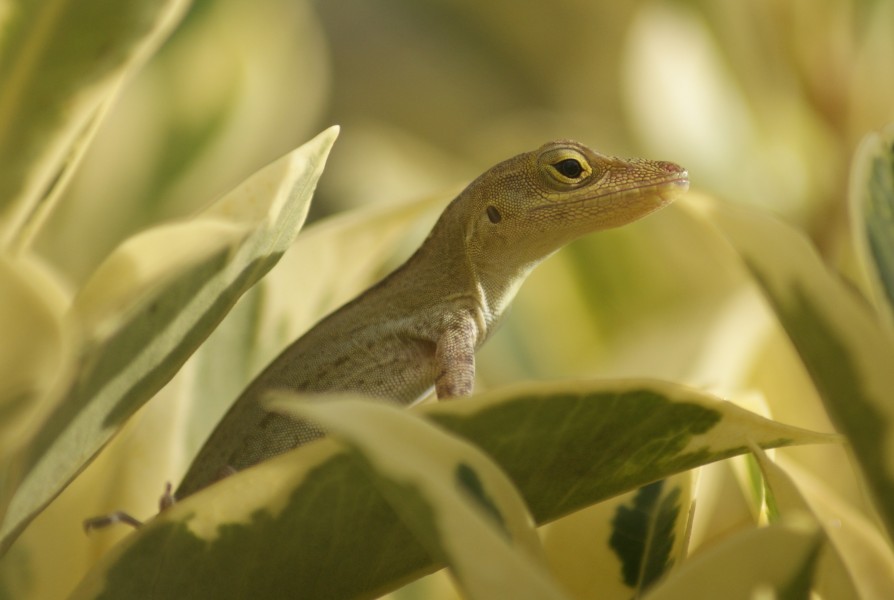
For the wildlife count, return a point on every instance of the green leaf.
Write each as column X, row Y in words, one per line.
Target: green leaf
column 848, row 355
column 456, row 502
column 621, row 434
column 586, row 555
column 61, row 63
column 871, row 203
column 643, row 534
column 780, row 558
column 274, row 528
column 151, row 304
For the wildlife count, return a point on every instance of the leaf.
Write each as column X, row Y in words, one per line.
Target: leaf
column 590, row 561
column 858, row 563
column 871, row 203
column 34, row 354
column 457, row 503
column 846, row 352
column 644, row 534
column 778, row 560
column 61, row 62
column 274, row 528
column 626, row 433
column 32, row 306
column 137, row 334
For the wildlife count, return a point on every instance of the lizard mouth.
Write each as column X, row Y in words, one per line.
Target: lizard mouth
column 675, row 185
column 654, row 193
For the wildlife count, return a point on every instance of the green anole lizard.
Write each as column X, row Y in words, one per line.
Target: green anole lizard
column 420, row 326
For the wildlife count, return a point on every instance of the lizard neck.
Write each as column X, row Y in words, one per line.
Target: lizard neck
column 446, row 267
column 439, row 272
column 444, row 278
column 497, row 287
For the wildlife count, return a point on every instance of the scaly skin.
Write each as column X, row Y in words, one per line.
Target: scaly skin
column 420, row 326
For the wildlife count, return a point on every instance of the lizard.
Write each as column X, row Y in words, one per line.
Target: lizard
column 420, row 326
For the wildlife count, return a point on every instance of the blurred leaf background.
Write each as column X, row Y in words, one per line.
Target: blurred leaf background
column 764, row 102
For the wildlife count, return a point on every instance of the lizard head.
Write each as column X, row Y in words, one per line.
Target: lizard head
column 524, row 209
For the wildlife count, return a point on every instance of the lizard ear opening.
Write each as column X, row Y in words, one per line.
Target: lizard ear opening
column 494, row 215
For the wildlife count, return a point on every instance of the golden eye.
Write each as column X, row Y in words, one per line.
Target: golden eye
column 569, row 168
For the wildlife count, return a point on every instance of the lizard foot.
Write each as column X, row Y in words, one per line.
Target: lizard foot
column 103, row 521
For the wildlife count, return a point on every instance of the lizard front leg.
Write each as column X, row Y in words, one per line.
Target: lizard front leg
column 455, row 357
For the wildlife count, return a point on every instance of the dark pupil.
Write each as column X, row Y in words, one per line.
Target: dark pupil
column 569, row 168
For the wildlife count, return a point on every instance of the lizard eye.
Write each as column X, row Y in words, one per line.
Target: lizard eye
column 569, row 167
column 563, row 166
column 494, row 215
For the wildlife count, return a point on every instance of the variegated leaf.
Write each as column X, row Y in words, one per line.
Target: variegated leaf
column 150, row 304
column 564, row 445
column 457, row 503
column 840, row 340
column 779, row 560
column 61, row 64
